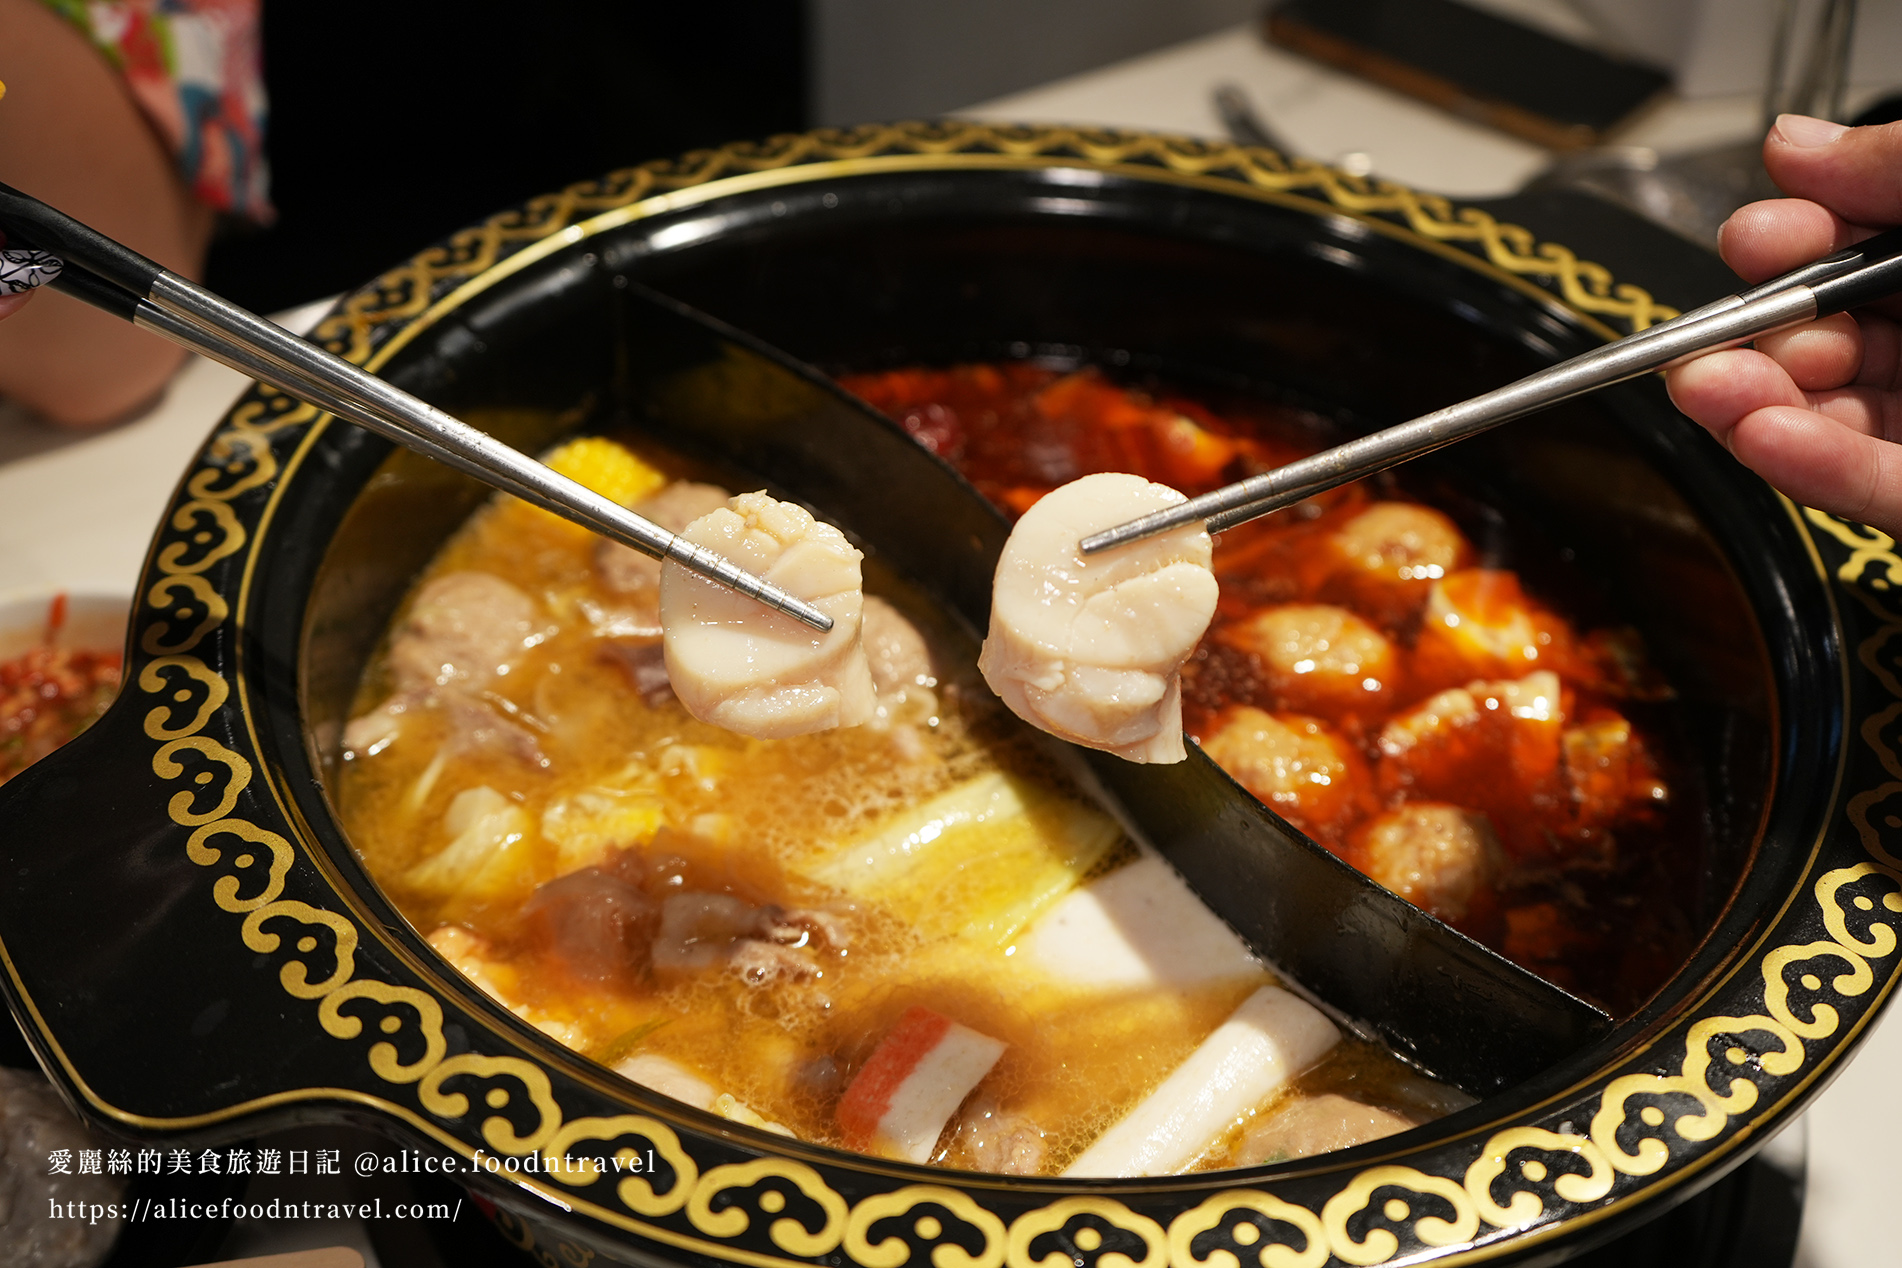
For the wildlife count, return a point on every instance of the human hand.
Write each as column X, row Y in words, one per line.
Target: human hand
column 1817, row 409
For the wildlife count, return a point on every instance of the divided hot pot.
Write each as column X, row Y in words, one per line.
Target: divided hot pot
column 195, row 951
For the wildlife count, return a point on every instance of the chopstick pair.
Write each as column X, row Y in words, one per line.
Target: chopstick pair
column 108, row 275
column 1863, row 273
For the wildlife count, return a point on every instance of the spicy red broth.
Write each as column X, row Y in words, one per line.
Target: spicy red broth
column 49, row 694
column 1468, row 740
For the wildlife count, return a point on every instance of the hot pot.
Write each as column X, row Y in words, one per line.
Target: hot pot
column 195, row 952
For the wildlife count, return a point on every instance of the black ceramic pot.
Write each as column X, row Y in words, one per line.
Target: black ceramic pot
column 196, row 953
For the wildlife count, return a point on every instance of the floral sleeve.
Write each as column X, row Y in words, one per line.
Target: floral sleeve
column 194, row 67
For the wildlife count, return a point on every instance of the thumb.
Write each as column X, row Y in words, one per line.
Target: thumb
column 1855, row 172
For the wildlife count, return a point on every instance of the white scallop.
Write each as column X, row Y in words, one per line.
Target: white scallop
column 744, row 667
column 1090, row 648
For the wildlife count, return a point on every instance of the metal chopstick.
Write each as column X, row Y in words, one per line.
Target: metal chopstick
column 113, row 277
column 1868, row 271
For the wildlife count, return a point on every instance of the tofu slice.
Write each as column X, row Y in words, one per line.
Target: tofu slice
column 1139, row 927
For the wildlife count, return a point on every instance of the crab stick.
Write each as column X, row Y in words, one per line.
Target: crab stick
column 1269, row 1040
column 898, row 1104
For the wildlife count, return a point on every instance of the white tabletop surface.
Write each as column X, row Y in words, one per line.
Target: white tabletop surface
column 77, row 512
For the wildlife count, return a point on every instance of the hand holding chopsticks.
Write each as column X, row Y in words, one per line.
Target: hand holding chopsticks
column 1863, row 273
column 112, row 277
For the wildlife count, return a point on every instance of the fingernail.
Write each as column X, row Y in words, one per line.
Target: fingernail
column 22, row 270
column 1806, row 133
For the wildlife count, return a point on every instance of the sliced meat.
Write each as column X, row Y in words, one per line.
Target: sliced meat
column 644, row 661
column 370, row 734
column 800, row 927
column 758, row 962
column 701, row 931
column 1090, row 648
column 744, row 667
column 489, row 724
column 483, row 723
column 463, row 629
column 698, row 930
column 595, row 925
column 626, row 571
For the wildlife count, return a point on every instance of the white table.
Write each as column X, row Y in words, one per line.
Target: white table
column 77, row 513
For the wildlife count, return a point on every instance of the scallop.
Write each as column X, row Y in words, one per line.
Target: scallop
column 1090, row 648
column 741, row 666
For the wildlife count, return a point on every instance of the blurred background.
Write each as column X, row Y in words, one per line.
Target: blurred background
column 393, row 125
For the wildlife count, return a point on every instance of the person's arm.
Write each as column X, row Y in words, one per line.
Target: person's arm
column 71, row 135
column 1817, row 410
